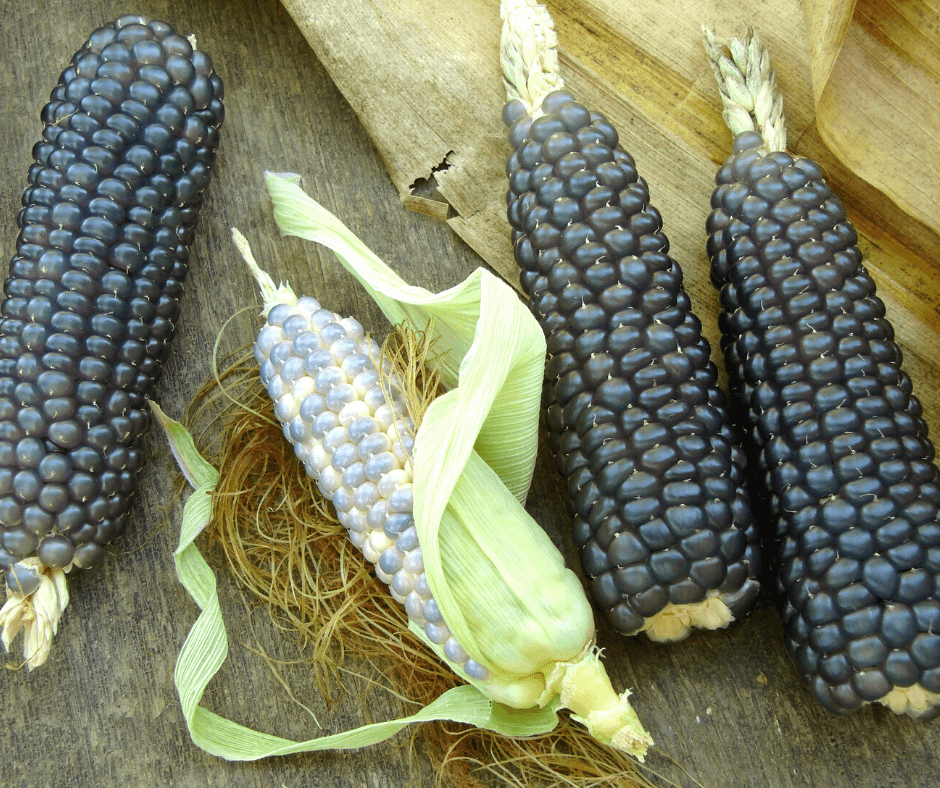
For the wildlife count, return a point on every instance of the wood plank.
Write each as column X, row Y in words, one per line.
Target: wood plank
column 726, row 709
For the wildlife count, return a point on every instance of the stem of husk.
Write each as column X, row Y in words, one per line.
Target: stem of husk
column 585, row 688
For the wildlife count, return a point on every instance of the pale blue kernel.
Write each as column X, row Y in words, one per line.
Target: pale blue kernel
column 294, row 325
column 436, row 633
column 306, row 343
column 475, row 670
column 432, row 613
column 279, row 313
column 344, row 456
column 318, row 360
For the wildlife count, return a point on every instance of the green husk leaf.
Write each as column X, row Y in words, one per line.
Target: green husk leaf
column 206, row 648
column 485, row 338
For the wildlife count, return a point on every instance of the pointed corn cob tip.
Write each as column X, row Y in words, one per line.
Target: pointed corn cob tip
column 271, row 293
column 36, row 600
column 585, row 688
column 528, row 53
column 748, row 86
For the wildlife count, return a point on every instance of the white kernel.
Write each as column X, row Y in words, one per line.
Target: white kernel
column 379, row 542
column 353, row 411
column 356, row 520
column 383, row 576
column 301, row 450
column 377, row 514
column 342, row 349
column 364, row 380
column 414, row 563
column 329, row 481
column 353, row 328
column 317, row 459
column 302, row 388
column 307, row 305
column 394, row 480
column 286, row 408
column 414, row 606
column 335, row 438
column 384, row 416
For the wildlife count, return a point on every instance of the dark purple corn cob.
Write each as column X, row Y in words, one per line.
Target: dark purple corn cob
column 638, row 426
column 131, row 132
column 841, row 443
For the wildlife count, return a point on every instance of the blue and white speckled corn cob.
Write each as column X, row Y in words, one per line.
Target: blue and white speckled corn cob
column 354, row 438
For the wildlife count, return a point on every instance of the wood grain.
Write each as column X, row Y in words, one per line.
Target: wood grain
column 726, row 709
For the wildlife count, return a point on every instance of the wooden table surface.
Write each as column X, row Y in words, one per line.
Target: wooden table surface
column 725, row 709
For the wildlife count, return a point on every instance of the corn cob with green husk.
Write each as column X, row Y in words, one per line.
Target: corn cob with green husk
column 482, row 583
column 841, row 444
column 638, row 425
column 130, row 134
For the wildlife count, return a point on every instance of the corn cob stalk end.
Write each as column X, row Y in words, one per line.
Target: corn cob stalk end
column 36, row 599
column 584, row 687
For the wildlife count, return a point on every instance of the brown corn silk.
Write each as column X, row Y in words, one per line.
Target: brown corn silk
column 281, row 541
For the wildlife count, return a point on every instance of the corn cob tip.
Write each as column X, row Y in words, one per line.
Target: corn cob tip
column 748, row 86
column 528, row 53
column 584, row 687
column 271, row 293
column 36, row 599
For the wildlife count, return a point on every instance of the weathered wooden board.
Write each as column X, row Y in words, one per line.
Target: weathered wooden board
column 726, row 709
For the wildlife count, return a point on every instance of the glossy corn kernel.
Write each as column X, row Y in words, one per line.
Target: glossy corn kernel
column 841, row 443
column 130, row 135
column 639, row 427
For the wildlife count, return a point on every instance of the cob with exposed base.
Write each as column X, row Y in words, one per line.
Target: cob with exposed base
column 841, row 443
column 130, row 134
column 532, row 641
column 638, row 425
